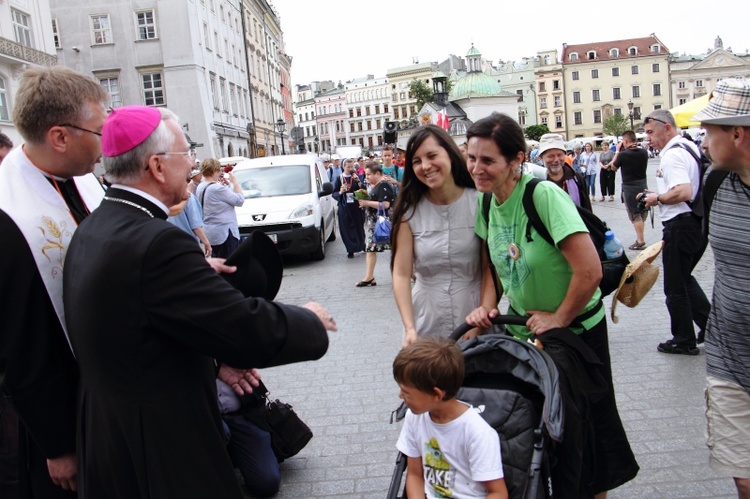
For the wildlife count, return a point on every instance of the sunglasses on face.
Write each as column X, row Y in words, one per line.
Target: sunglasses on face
column 649, row 119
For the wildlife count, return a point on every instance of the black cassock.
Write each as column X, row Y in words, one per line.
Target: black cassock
column 147, row 316
column 37, row 369
column 351, row 216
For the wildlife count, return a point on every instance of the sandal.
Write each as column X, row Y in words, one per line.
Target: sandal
column 638, row 246
column 364, row 284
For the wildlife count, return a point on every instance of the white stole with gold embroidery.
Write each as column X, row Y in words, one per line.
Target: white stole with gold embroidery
column 41, row 214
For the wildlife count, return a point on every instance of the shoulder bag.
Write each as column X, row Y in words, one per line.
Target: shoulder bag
column 289, row 434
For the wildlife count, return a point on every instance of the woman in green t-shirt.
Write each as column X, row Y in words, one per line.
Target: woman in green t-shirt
column 556, row 286
column 552, row 284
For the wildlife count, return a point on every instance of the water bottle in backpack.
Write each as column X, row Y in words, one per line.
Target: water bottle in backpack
column 612, row 246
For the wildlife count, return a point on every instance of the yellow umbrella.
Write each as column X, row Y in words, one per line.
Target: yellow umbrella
column 684, row 112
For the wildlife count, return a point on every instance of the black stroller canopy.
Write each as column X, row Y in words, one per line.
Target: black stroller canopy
column 494, row 354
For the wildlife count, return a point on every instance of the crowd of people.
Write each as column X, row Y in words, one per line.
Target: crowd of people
column 120, row 318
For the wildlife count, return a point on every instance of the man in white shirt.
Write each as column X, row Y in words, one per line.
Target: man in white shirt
column 677, row 181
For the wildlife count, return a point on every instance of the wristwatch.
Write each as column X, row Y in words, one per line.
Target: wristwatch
column 658, row 201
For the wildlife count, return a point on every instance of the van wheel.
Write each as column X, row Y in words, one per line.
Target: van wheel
column 320, row 252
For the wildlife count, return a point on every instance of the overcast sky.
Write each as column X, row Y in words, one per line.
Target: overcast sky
column 346, row 39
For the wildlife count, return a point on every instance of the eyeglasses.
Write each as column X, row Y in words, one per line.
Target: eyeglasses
column 98, row 134
column 190, row 153
column 649, row 119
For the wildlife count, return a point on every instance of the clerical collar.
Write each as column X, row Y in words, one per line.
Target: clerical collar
column 144, row 195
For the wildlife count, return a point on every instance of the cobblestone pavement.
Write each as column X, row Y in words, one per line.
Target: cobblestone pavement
column 347, row 396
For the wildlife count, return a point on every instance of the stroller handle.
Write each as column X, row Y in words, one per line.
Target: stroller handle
column 517, row 320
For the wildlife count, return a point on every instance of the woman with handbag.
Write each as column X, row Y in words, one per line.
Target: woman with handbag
column 556, row 285
column 218, row 201
column 351, row 217
column 433, row 238
column 381, row 198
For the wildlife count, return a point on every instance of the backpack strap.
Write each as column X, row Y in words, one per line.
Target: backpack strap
column 714, row 179
column 486, row 203
column 533, row 215
column 697, row 159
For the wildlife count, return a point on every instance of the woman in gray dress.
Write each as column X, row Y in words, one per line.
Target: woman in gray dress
column 433, row 238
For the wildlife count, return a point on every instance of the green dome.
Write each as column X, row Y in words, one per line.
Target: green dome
column 473, row 51
column 476, row 85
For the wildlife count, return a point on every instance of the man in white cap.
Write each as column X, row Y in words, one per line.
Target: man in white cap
column 552, row 152
column 726, row 120
column 677, row 184
column 149, row 318
column 46, row 189
column 195, row 179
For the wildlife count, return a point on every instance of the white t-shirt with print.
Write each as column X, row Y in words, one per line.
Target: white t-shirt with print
column 456, row 456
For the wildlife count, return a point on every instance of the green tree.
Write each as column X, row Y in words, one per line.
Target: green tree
column 419, row 90
column 616, row 125
column 535, row 132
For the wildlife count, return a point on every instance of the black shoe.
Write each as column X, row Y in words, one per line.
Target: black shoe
column 701, row 337
column 669, row 347
column 350, row 255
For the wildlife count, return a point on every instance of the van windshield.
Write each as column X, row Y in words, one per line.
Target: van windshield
column 274, row 181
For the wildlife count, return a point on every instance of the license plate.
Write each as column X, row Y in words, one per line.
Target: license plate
column 273, row 238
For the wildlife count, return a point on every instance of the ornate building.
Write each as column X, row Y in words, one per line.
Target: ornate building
column 692, row 76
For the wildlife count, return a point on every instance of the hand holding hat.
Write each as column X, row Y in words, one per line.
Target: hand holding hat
column 638, row 279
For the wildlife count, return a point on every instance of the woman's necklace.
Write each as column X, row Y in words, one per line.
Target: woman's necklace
column 130, row 203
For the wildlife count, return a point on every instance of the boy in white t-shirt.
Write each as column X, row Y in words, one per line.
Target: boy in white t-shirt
column 451, row 451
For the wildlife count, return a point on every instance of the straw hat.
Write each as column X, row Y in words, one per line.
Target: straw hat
column 638, row 279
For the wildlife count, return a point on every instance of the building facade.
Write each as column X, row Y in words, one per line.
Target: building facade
column 266, row 62
column 692, row 76
column 187, row 56
column 518, row 77
column 550, row 92
column 601, row 78
column 304, row 109
column 403, row 104
column 331, row 118
column 368, row 107
column 28, row 37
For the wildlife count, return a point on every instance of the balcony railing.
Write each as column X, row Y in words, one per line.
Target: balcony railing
column 28, row 54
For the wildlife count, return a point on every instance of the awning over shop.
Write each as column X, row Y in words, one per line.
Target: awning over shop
column 684, row 112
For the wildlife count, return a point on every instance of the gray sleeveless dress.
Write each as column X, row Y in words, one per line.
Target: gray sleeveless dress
column 447, row 263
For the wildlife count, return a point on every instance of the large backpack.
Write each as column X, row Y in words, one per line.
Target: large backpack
column 612, row 270
column 708, row 183
column 704, row 164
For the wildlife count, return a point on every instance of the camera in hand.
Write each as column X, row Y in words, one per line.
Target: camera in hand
column 640, row 204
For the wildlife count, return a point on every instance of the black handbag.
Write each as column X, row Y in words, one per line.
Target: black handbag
column 289, row 434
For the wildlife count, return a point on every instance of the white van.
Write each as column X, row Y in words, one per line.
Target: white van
column 288, row 198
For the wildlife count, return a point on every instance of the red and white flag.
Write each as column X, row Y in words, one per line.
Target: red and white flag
column 442, row 120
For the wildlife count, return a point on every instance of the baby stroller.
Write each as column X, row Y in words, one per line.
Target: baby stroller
column 517, row 386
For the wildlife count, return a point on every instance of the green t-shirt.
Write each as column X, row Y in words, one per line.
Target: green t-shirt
column 539, row 277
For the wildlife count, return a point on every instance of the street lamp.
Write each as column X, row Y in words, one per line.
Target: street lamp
column 630, row 113
column 280, row 126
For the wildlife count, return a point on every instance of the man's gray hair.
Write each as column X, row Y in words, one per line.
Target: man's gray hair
column 130, row 166
column 664, row 116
